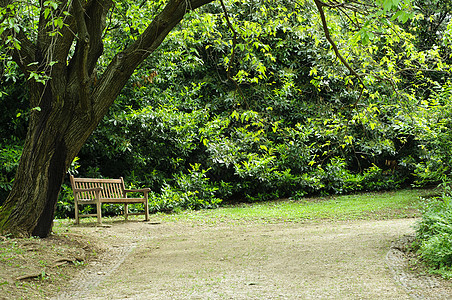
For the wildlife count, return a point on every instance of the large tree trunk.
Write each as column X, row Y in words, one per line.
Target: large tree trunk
column 71, row 104
column 56, row 133
column 30, row 206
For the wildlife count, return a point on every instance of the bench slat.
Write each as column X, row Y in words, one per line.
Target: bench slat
column 105, row 191
column 88, row 215
column 97, row 180
column 112, row 188
column 122, row 200
column 118, row 191
column 108, row 191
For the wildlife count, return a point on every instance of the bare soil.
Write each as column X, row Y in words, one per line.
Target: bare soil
column 218, row 260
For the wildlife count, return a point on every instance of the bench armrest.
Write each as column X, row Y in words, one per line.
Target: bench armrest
column 88, row 190
column 145, row 190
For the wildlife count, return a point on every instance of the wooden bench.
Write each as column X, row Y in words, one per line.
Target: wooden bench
column 98, row 191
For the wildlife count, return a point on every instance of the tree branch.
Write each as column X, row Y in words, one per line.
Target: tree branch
column 122, row 66
column 332, row 43
column 82, row 53
column 234, row 43
column 96, row 26
column 334, row 46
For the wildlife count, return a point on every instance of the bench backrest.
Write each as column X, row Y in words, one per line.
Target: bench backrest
column 111, row 188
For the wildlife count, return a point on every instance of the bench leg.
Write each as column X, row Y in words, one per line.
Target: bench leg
column 126, row 211
column 99, row 212
column 146, row 210
column 77, row 217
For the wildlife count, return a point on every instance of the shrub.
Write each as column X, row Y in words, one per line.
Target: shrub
column 9, row 161
column 437, row 254
column 434, row 235
column 65, row 203
column 375, row 179
column 190, row 191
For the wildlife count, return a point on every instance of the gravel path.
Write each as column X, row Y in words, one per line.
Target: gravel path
column 187, row 260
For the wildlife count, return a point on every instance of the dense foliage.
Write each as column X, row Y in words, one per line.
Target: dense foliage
column 295, row 126
column 12, row 130
column 269, row 113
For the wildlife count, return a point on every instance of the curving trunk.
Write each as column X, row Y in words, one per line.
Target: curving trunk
column 56, row 133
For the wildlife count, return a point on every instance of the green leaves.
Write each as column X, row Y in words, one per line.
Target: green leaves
column 49, row 7
column 403, row 16
column 51, row 4
column 403, row 9
column 389, row 4
column 38, row 77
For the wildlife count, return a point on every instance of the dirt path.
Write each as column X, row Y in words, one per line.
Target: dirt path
column 187, row 260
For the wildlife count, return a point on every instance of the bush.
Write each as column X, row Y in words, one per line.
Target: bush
column 65, row 204
column 437, row 254
column 434, row 235
column 375, row 179
column 190, row 191
column 9, row 161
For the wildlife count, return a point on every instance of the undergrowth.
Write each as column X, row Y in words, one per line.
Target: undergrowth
column 434, row 234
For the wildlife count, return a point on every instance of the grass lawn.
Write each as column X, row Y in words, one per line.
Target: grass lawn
column 397, row 204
